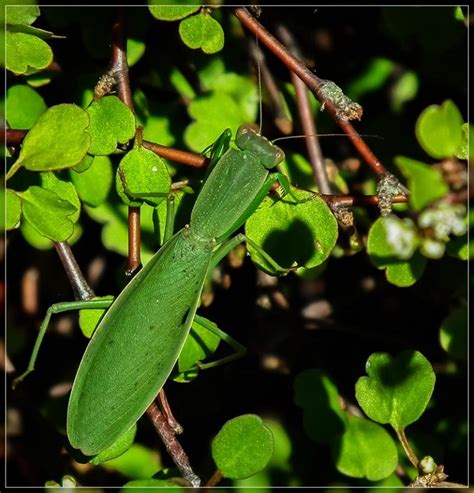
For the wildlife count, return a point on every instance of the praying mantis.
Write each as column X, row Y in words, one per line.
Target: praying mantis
column 138, row 341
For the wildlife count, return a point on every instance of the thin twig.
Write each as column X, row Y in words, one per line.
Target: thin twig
column 214, row 479
column 80, row 287
column 183, row 157
column 407, row 448
column 306, row 118
column 172, row 445
column 314, row 83
column 134, row 239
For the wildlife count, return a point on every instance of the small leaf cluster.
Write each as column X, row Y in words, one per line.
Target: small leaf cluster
column 402, row 246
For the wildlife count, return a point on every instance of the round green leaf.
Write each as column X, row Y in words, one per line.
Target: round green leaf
column 365, row 450
column 25, row 51
column 200, row 344
column 135, row 50
column 47, row 213
column 13, row 210
column 425, row 183
column 24, row 14
column 111, row 122
column 466, row 149
column 202, row 31
column 24, row 106
column 318, row 396
column 390, row 245
column 396, row 390
column 35, row 239
column 118, row 448
column 391, row 239
column 243, row 446
column 439, row 130
column 172, row 12
column 299, row 228
column 93, row 185
column 57, row 140
column 453, row 333
column 140, row 173
column 89, row 319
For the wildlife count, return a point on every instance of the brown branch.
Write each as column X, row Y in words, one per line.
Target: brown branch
column 172, row 445
column 314, row 83
column 134, row 238
column 183, row 157
column 12, row 137
column 306, row 118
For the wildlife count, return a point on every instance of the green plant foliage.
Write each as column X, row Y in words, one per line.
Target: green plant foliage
column 200, row 344
column 25, row 51
column 35, row 239
column 215, row 112
column 26, row 14
column 13, row 210
column 465, row 150
column 141, row 172
column 94, row 183
column 111, row 123
column 147, row 485
column 89, row 319
column 425, row 182
column 365, row 450
column 24, row 106
column 439, row 130
column 297, row 229
column 172, row 13
column 243, row 446
column 57, row 140
column 319, row 398
column 373, row 78
column 202, row 31
column 49, row 215
column 453, row 333
column 64, row 190
column 404, row 90
column 138, row 462
column 391, row 245
column 396, row 390
column 118, row 448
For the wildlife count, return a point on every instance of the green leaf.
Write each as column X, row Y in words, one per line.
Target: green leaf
column 141, row 172
column 391, row 245
column 426, row 183
column 135, row 50
column 64, row 190
column 94, row 184
column 24, row 106
column 373, row 78
column 26, row 51
column 396, row 390
column 243, row 446
column 391, row 239
column 57, row 140
column 172, row 13
column 202, row 31
column 453, row 333
column 439, row 130
column 138, row 462
column 323, row 418
column 13, row 210
column 465, row 150
column 297, row 229
column 213, row 114
column 35, row 239
column 404, row 90
column 89, row 319
column 200, row 344
column 47, row 213
column 444, row 219
column 25, row 14
column 111, row 123
column 365, row 450
column 118, row 448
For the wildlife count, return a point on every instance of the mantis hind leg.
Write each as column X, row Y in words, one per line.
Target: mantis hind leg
column 239, row 349
column 58, row 308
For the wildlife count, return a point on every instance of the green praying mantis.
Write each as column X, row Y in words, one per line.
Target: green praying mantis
column 138, row 341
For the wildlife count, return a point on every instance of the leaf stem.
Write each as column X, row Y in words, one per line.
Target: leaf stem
column 407, row 448
column 214, row 479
